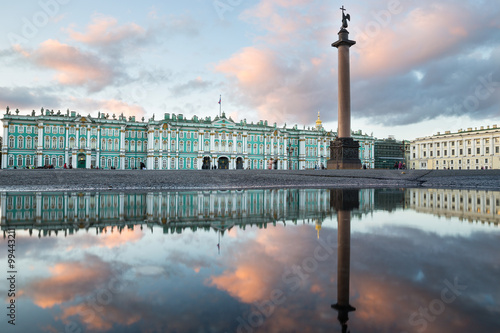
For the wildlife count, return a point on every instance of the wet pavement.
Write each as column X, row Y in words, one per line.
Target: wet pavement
column 98, row 180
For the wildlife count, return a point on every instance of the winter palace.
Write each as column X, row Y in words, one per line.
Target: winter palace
column 59, row 139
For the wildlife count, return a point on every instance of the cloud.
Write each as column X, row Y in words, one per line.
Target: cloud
column 74, row 67
column 26, row 98
column 191, row 86
column 68, row 280
column 279, row 88
column 105, row 31
column 112, row 106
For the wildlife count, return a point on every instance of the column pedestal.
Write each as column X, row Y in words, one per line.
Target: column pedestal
column 344, row 154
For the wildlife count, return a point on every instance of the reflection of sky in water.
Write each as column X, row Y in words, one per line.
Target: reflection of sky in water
column 141, row 279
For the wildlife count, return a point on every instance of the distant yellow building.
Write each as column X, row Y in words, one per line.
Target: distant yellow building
column 469, row 149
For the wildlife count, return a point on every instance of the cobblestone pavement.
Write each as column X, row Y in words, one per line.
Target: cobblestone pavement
column 98, row 180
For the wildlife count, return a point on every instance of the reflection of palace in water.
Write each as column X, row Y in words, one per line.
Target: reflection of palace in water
column 174, row 211
column 470, row 205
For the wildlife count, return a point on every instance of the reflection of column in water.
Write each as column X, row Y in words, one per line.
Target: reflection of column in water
column 343, row 201
column 343, row 267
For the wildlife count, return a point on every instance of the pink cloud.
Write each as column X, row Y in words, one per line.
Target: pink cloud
column 280, row 89
column 410, row 40
column 73, row 66
column 104, row 31
column 111, row 106
column 67, row 280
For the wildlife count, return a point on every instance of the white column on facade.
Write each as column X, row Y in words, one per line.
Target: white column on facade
column 169, row 136
column 40, row 145
column 5, row 146
column 77, row 137
column 177, row 141
column 318, row 152
column 265, row 145
column 302, row 151
column 160, row 152
column 122, row 147
column 177, row 149
column 212, row 142
column 482, row 152
column 286, row 165
column 98, row 146
column 235, row 147
column 149, row 149
column 66, row 145
column 87, row 145
column 88, row 160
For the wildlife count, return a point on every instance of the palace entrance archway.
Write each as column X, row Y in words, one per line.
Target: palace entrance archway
column 223, row 163
column 81, row 161
column 239, row 163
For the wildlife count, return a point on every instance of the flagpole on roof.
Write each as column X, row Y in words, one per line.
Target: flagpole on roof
column 220, row 106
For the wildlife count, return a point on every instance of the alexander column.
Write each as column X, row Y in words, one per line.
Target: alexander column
column 344, row 151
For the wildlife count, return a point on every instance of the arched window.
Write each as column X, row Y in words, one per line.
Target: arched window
column 103, row 162
column 61, row 142
column 61, row 161
column 109, row 163
column 11, row 160
column 181, row 146
column 110, row 144
column 35, row 142
column 188, row 163
column 157, row 144
column 127, row 163
column 207, row 145
column 164, row 163
column 54, row 161
column 181, row 163
column 72, row 143
column 47, row 142
column 20, row 142
column 83, row 143
column 20, row 161
column 115, row 162
column 164, row 145
column 103, row 144
column 93, row 143
column 156, row 163
column 132, row 145
column 54, row 142
column 117, row 145
column 47, row 160
column 28, row 160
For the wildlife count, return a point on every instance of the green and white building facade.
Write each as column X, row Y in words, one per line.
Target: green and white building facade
column 51, row 138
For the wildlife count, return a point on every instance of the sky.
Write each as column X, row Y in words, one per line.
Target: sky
column 418, row 67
